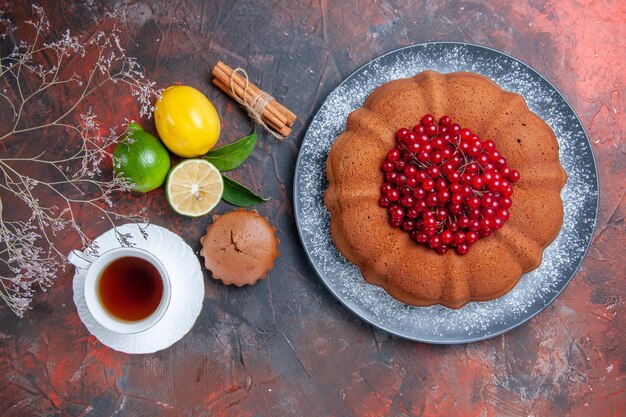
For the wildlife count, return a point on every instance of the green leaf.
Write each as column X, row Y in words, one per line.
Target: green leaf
column 230, row 156
column 239, row 195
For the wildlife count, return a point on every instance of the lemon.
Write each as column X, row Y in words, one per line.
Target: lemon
column 141, row 159
column 186, row 120
column 194, row 187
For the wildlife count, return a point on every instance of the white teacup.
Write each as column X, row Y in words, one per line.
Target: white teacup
column 94, row 268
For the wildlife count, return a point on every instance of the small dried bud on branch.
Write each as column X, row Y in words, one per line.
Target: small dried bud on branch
column 39, row 194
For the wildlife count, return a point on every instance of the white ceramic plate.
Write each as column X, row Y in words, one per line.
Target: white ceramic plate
column 187, row 283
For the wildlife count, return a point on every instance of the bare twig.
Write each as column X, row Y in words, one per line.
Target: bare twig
column 30, row 228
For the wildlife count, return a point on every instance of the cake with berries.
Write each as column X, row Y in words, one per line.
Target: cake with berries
column 444, row 189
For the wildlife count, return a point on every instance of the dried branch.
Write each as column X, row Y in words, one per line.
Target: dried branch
column 30, row 227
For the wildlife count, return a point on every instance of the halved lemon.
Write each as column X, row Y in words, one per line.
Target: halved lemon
column 194, row 187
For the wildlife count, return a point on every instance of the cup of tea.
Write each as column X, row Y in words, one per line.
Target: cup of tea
column 127, row 290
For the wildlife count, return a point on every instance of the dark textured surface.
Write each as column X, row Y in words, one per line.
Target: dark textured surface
column 285, row 346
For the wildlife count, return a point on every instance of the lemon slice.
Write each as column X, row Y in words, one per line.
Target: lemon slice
column 194, row 187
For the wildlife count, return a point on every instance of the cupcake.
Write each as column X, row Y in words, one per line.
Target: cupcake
column 239, row 247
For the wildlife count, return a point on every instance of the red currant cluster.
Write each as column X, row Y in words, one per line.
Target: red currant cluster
column 445, row 186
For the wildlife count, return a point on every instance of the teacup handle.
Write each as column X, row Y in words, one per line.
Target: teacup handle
column 80, row 259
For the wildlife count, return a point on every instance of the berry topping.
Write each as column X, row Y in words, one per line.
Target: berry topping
column 445, row 186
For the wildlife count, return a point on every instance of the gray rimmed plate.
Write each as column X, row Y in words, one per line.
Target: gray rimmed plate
column 478, row 320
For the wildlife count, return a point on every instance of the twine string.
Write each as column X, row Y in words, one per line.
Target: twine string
column 256, row 108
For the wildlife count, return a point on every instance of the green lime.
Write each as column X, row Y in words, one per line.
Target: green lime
column 142, row 159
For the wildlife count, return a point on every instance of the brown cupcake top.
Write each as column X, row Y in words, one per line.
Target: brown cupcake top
column 239, row 247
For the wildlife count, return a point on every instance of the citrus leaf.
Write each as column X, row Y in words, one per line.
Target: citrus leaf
column 239, row 195
column 230, row 156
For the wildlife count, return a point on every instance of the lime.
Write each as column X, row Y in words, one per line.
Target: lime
column 187, row 122
column 141, row 159
column 194, row 187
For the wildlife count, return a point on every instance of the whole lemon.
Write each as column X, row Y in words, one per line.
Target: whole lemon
column 142, row 159
column 187, row 122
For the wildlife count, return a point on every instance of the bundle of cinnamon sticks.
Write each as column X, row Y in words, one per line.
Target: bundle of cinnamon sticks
column 273, row 114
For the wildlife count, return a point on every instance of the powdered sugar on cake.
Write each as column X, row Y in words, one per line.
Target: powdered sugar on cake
column 476, row 320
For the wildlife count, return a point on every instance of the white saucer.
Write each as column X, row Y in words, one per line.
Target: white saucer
column 187, row 284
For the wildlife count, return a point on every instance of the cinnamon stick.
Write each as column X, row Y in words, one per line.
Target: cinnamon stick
column 249, row 97
column 274, row 123
column 274, row 105
column 239, row 83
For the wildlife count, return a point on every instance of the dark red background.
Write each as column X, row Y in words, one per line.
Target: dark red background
column 285, row 346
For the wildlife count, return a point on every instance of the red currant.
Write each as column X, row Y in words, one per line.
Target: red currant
column 459, row 237
column 441, row 214
column 401, row 135
column 412, row 213
column 408, row 201
column 454, row 177
column 462, row 249
column 396, row 211
column 388, row 166
column 446, row 236
column 433, row 171
column 423, row 156
column 393, row 155
column 503, row 214
column 441, row 249
column 445, row 186
column 436, row 158
column 434, row 241
column 471, row 237
column 418, row 129
column 455, row 208
column 431, row 200
column 422, row 238
column 443, row 195
column 428, row 184
column 414, row 147
column 393, row 195
column 457, row 198
column 408, row 225
column 410, row 171
column 428, row 119
column 419, row 193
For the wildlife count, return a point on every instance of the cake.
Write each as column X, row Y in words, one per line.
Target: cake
column 239, row 247
column 394, row 253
